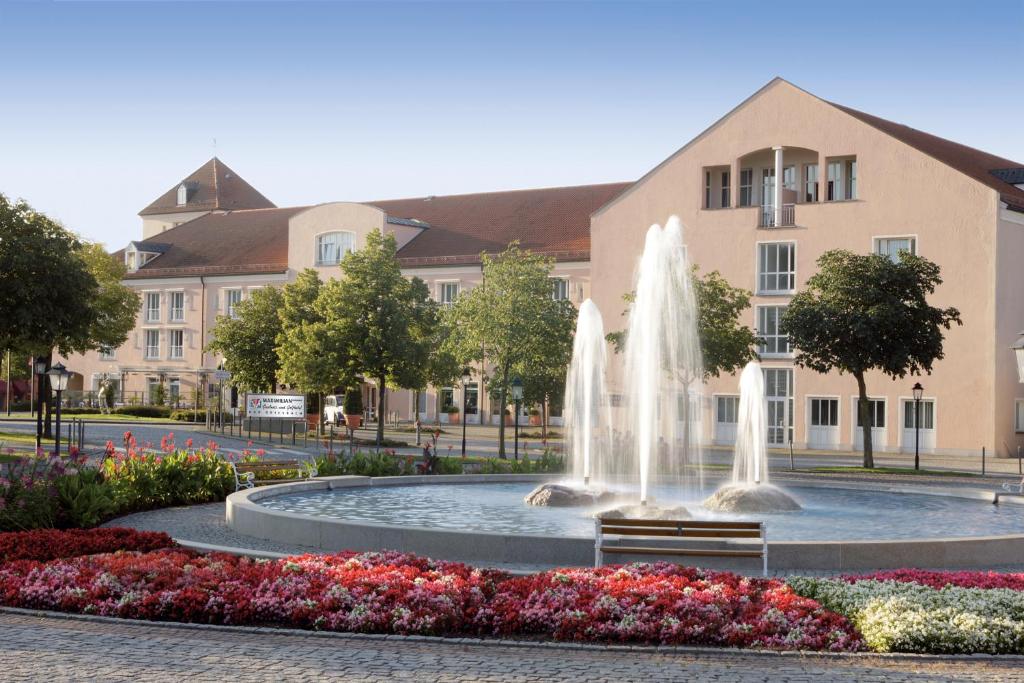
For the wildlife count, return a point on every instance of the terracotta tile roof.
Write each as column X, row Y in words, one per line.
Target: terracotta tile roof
column 236, row 242
column 986, row 168
column 554, row 220
column 211, row 186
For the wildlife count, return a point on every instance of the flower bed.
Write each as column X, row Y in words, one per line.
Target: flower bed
column 42, row 545
column 933, row 612
column 404, row 594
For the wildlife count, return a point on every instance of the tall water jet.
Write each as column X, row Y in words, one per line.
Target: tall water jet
column 587, row 419
column 663, row 364
column 749, row 490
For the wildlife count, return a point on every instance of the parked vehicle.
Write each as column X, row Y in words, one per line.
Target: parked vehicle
column 333, row 413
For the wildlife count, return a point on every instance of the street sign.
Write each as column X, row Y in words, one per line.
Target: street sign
column 275, row 405
column 221, row 375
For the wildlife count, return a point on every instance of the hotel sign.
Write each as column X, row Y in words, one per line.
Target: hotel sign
column 275, row 405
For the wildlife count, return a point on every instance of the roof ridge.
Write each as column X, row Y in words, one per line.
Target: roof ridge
column 216, row 185
column 524, row 189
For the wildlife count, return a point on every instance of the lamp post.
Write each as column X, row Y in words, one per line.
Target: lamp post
column 918, row 393
column 466, row 376
column 39, row 366
column 517, row 396
column 59, row 382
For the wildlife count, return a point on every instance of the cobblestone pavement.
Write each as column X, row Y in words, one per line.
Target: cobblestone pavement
column 56, row 649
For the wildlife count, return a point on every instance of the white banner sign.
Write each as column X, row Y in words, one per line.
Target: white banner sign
column 275, row 405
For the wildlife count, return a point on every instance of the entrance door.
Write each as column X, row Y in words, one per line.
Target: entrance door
column 876, row 414
column 927, row 431
column 778, row 390
column 726, row 410
column 823, row 426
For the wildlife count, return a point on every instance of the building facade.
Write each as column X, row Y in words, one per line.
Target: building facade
column 786, row 176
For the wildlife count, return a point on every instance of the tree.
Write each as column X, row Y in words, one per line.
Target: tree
column 115, row 305
column 248, row 341
column 382, row 321
column 510, row 321
column 726, row 345
column 544, row 375
column 864, row 312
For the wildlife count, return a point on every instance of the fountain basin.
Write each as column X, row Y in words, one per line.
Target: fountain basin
column 756, row 498
column 421, row 514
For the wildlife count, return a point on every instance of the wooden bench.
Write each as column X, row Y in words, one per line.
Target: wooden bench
column 684, row 529
column 245, row 472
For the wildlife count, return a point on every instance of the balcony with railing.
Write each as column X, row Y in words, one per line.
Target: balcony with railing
column 768, row 217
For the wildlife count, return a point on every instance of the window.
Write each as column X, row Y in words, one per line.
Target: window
column 447, row 398
column 776, row 267
column 560, row 289
column 152, row 344
column 1018, row 407
column 725, row 189
column 154, row 388
column 727, row 408
column 472, row 398
column 176, row 344
column 182, row 195
column 835, row 172
column 448, row 292
column 842, row 180
column 824, row 412
column 811, row 183
column 789, row 178
column 876, row 412
column 232, row 298
column 892, row 246
column 332, row 246
column 152, row 307
column 174, row 390
column 767, row 187
column 177, row 307
column 769, row 328
column 927, row 415
column 778, row 391
column 851, row 179
column 106, row 353
column 746, row 187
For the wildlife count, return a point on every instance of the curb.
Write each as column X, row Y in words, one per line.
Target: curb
column 522, row 644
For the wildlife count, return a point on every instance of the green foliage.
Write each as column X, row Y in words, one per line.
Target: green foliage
column 513, row 324
column 85, row 498
column 353, row 404
column 115, row 305
column 725, row 344
column 863, row 312
column 150, row 480
column 383, row 464
column 309, row 359
column 191, row 415
column 144, row 411
column 448, row 466
column 248, row 341
column 159, row 395
column 550, row 462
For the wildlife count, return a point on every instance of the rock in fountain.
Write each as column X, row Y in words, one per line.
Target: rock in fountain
column 587, row 419
column 749, row 490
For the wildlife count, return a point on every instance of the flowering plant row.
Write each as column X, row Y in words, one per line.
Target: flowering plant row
column 940, row 579
column 398, row 593
column 935, row 615
column 42, row 545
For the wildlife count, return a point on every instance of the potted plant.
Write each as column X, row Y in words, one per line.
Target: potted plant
column 534, row 417
column 453, row 414
column 353, row 408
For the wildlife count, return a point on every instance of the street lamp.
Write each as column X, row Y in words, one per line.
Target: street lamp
column 1018, row 350
column 918, row 393
column 517, row 396
column 466, row 376
column 39, row 367
column 58, row 382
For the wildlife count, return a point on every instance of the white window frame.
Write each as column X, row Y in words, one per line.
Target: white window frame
column 230, row 308
column 731, row 397
column 725, row 191
column 175, row 352
column 1018, row 415
column 909, row 401
column 341, row 251
column 442, row 286
column 748, row 186
column 878, row 239
column 810, row 412
column 789, row 405
column 146, row 353
column 182, row 197
column 761, row 276
column 565, row 285
column 108, row 353
column 175, row 315
column 811, row 188
column 777, row 335
column 151, row 315
column 855, row 414
column 707, row 189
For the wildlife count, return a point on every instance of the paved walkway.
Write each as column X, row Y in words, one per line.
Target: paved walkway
column 53, row 648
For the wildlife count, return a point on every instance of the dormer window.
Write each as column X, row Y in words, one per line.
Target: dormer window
column 332, row 246
column 182, row 195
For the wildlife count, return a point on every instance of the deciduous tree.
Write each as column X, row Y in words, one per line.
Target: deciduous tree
column 248, row 341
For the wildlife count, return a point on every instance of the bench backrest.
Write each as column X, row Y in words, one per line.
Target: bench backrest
column 267, row 466
column 679, row 528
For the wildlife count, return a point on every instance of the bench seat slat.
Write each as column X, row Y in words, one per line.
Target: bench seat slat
column 685, row 533
column 626, row 550
column 685, row 523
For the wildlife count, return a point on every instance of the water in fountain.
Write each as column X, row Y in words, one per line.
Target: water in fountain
column 749, row 490
column 587, row 419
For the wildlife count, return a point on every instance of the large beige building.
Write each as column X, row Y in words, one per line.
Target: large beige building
column 784, row 177
column 846, row 180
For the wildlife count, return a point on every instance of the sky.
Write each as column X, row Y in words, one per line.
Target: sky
column 105, row 106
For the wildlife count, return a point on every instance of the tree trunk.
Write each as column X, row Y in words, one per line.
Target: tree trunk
column 865, row 420
column 48, row 399
column 416, row 413
column 501, row 412
column 544, row 421
column 381, row 392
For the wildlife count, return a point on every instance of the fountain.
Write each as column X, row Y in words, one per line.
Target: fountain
column 749, row 490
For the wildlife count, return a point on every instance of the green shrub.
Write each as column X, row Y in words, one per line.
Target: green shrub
column 353, row 403
column 144, row 411
column 383, row 464
column 143, row 481
column 192, row 415
column 79, row 411
column 85, row 498
column 448, row 466
column 548, row 463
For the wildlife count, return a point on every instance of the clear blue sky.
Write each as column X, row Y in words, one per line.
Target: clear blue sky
column 104, row 106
